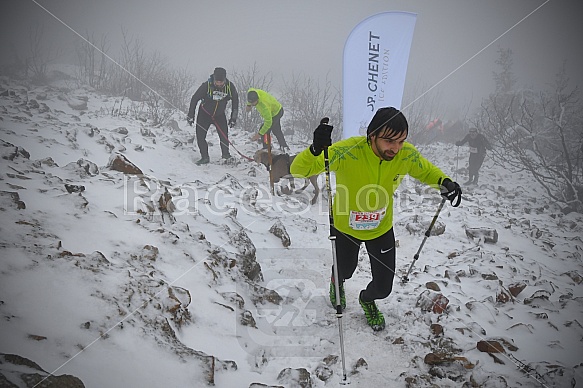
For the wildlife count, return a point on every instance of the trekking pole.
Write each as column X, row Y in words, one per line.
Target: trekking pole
column 457, row 161
column 270, row 158
column 405, row 278
column 332, row 239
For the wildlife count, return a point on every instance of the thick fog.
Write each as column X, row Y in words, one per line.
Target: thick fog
column 454, row 45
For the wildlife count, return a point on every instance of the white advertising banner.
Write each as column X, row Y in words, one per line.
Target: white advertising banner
column 376, row 54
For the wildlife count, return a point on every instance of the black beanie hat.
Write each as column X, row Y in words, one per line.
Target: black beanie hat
column 252, row 96
column 219, row 74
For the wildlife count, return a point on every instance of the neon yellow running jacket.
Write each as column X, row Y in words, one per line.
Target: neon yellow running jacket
column 268, row 107
column 365, row 184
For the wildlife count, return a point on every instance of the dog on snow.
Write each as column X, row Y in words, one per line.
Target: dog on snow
column 280, row 169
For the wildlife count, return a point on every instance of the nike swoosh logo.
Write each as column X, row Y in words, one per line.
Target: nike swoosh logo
column 386, row 250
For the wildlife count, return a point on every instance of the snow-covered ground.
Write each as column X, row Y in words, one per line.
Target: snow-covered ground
column 116, row 286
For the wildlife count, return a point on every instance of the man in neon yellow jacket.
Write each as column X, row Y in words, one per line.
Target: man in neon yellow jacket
column 368, row 171
column 271, row 111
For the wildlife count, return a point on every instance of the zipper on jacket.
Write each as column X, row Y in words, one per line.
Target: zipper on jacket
column 379, row 179
column 379, row 174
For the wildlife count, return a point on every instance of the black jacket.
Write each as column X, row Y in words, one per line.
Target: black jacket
column 480, row 143
column 214, row 100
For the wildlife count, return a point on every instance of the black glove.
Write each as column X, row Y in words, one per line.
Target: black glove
column 190, row 120
column 232, row 122
column 458, row 143
column 322, row 139
column 451, row 191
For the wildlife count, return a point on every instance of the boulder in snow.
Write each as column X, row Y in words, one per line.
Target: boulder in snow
column 27, row 373
column 489, row 235
column 119, row 162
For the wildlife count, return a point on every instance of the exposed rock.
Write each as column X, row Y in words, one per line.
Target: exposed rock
column 300, row 377
column 440, row 303
column 29, row 374
column 247, row 319
column 460, row 274
column 489, row 276
column 330, row 359
column 507, row 344
column 9, row 151
column 436, row 329
column 540, row 315
column 234, row 298
column 150, row 252
column 121, row 130
column 165, row 203
column 398, row 341
column 119, row 162
column 259, row 385
column 92, row 130
column 359, row 365
column 435, row 359
column 246, row 259
column 516, row 288
column 502, row 296
column 415, row 225
column 74, row 188
column 219, row 263
column 443, row 358
column 177, row 305
column 488, row 234
column 46, row 162
column 538, row 297
column 83, row 167
column 33, row 104
column 11, row 199
column 438, row 372
column 473, row 271
column 575, row 276
column 278, row 229
column 262, row 295
column 490, row 347
column 94, row 262
column 323, row 372
column 146, row 132
column 436, row 303
column 103, row 140
column 424, row 301
column 432, row 286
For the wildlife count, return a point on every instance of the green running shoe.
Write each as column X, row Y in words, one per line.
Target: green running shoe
column 333, row 294
column 373, row 316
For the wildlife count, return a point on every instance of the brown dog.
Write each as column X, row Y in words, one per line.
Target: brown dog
column 280, row 169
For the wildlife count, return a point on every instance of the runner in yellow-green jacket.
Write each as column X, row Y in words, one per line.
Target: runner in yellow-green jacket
column 368, row 171
column 271, row 111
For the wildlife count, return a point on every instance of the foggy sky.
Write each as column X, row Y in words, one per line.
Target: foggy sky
column 285, row 37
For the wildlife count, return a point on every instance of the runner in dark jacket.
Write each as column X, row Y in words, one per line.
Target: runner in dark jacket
column 214, row 94
column 478, row 145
